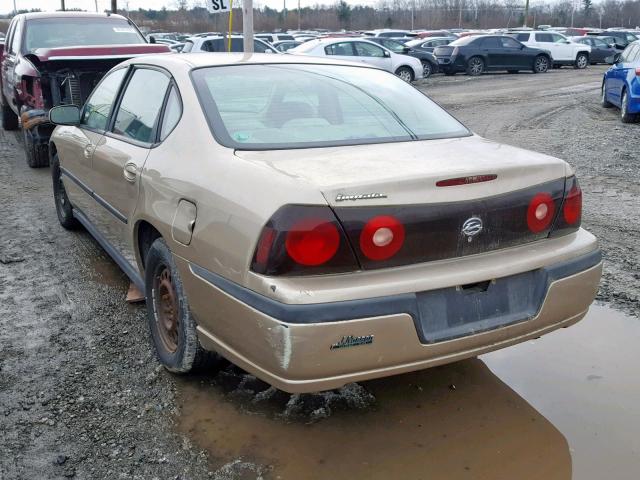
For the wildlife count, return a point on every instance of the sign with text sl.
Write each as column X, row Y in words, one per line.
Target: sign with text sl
column 218, row 6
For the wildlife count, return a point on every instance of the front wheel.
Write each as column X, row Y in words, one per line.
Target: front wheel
column 540, row 64
column 37, row 155
column 172, row 327
column 475, row 66
column 63, row 205
column 582, row 60
column 427, row 68
column 405, row 73
column 625, row 116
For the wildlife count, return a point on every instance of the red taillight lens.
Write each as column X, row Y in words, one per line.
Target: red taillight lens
column 571, row 211
column 312, row 241
column 638, row 71
column 572, row 208
column 303, row 240
column 381, row 238
column 541, row 212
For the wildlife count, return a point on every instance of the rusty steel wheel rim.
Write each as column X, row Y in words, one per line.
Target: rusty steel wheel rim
column 166, row 308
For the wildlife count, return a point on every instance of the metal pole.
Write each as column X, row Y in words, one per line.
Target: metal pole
column 298, row 14
column 62, row 5
column 15, row 9
column 114, row 6
column 413, row 13
column 526, row 13
column 247, row 26
column 96, row 6
column 460, row 15
column 573, row 7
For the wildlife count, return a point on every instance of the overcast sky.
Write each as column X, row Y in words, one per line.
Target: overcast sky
column 6, row 6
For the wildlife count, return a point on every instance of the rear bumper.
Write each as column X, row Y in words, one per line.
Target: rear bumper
column 302, row 348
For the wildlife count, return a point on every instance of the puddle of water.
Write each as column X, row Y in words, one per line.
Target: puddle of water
column 584, row 380
column 506, row 415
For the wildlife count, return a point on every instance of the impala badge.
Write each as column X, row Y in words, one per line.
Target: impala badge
column 471, row 227
column 363, row 196
column 352, row 341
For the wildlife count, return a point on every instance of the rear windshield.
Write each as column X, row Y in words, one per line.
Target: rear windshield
column 73, row 32
column 281, row 106
column 464, row 41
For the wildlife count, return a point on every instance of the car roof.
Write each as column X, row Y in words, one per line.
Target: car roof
column 43, row 15
column 189, row 61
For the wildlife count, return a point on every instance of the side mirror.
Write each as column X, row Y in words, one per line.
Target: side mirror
column 268, row 50
column 386, row 54
column 65, row 115
column 406, row 49
column 152, row 39
column 616, row 58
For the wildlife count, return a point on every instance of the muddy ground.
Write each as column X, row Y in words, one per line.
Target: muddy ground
column 82, row 396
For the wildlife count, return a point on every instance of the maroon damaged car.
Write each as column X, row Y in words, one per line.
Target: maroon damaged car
column 52, row 59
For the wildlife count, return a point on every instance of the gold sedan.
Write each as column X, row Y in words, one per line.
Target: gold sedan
column 317, row 222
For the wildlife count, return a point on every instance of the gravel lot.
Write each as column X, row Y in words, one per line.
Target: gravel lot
column 81, row 394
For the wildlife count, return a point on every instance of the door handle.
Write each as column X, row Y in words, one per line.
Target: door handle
column 88, row 150
column 130, row 172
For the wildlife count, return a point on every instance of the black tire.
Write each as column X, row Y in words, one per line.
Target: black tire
column 64, row 209
column 475, row 66
column 603, row 100
column 541, row 64
column 177, row 347
column 513, row 71
column 625, row 116
column 427, row 68
column 37, row 155
column 405, row 73
column 9, row 118
column 582, row 61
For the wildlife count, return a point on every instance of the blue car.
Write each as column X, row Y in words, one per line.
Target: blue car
column 621, row 84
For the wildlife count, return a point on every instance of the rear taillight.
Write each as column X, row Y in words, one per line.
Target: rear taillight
column 303, row 240
column 381, row 237
column 312, row 241
column 570, row 216
column 540, row 212
column 638, row 71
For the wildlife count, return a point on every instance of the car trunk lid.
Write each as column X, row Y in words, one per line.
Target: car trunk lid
column 488, row 210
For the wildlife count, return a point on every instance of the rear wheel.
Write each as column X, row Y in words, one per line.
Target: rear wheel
column 475, row 66
column 63, row 205
column 603, row 99
column 405, row 73
column 9, row 118
column 172, row 327
column 37, row 155
column 541, row 64
column 427, row 68
column 625, row 116
column 582, row 60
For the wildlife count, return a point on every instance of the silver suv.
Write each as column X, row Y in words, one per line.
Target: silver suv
column 563, row 50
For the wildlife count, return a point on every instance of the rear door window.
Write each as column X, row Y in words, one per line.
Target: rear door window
column 490, row 42
column 95, row 114
column 344, row 49
column 140, row 105
column 544, row 37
